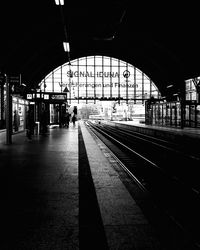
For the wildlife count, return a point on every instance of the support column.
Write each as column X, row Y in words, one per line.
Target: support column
column 2, row 124
column 60, row 115
column 8, row 112
column 182, row 102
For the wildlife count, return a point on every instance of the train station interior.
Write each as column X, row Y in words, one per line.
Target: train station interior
column 99, row 125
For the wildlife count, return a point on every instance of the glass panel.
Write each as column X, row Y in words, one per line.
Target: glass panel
column 164, row 114
column 178, row 107
column 99, row 77
column 173, row 114
column 192, row 116
column 198, row 115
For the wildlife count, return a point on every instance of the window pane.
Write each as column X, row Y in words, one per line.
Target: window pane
column 100, row 76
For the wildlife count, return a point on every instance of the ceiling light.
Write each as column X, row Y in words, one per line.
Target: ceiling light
column 169, row 86
column 66, row 47
column 59, row 2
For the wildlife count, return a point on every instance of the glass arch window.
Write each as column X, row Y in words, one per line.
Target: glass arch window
column 100, row 78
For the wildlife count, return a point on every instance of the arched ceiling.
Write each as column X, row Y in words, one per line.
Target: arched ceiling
column 160, row 39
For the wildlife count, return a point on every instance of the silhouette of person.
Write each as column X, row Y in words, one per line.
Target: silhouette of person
column 16, row 121
column 74, row 120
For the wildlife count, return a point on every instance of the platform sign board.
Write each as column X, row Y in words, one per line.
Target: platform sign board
column 2, row 79
column 52, row 97
column 57, row 97
column 29, row 97
column 38, row 95
column 14, row 80
column 46, row 96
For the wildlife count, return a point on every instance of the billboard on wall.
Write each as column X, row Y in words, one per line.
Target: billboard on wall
column 98, row 77
column 88, row 84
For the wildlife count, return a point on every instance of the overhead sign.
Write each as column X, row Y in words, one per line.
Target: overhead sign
column 14, row 80
column 54, row 97
column 29, row 96
column 59, row 97
column 46, row 97
column 2, row 79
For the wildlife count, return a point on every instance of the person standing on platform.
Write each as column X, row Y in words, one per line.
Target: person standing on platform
column 67, row 119
column 74, row 115
column 74, row 120
column 16, row 121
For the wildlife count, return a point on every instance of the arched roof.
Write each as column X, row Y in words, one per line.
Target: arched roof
column 160, row 39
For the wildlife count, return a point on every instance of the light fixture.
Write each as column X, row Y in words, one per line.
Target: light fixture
column 66, row 47
column 59, row 2
column 169, row 86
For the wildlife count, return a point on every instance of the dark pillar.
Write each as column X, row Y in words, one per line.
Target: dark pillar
column 47, row 108
column 8, row 112
column 182, row 102
column 60, row 115
column 2, row 104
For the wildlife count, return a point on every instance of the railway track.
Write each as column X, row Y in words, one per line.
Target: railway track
column 158, row 167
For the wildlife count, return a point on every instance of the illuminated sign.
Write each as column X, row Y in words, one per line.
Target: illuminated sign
column 29, row 96
column 14, row 80
column 57, row 97
column 46, row 97
column 99, row 78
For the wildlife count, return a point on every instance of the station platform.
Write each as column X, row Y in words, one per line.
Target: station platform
column 187, row 136
column 186, row 131
column 62, row 191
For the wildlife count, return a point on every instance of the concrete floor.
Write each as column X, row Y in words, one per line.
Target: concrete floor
column 40, row 184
